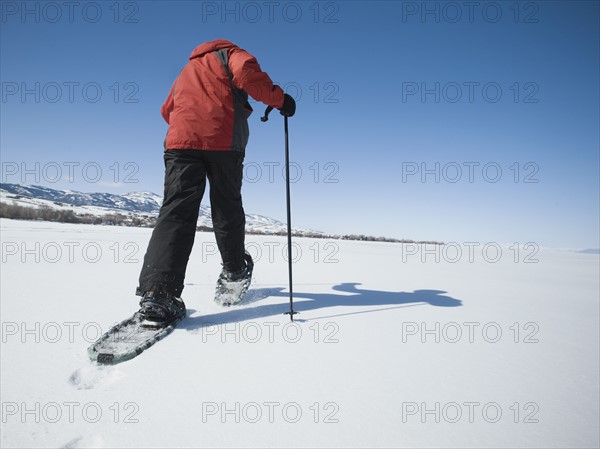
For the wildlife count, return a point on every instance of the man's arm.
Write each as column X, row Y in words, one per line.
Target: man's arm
column 247, row 75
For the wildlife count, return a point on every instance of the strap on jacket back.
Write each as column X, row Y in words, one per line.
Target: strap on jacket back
column 224, row 58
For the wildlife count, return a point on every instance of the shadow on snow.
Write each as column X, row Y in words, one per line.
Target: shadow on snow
column 350, row 296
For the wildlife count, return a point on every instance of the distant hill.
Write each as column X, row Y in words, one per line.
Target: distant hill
column 36, row 202
column 142, row 205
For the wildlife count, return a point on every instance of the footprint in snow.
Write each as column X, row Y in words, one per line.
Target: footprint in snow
column 95, row 441
column 93, row 376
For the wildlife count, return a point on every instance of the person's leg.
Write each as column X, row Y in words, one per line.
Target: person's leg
column 229, row 220
column 172, row 239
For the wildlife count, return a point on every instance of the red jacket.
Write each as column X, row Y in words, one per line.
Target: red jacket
column 203, row 111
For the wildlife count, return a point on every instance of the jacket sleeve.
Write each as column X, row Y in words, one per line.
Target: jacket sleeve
column 167, row 107
column 247, row 75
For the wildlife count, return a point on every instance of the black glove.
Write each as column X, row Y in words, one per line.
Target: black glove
column 289, row 106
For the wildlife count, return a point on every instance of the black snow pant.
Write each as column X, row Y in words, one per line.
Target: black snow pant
column 172, row 239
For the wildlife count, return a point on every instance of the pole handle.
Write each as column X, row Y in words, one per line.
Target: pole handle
column 265, row 117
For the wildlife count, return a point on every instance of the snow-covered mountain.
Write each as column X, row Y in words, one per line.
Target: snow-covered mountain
column 133, row 204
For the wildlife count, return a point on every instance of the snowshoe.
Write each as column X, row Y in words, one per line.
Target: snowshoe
column 157, row 318
column 231, row 287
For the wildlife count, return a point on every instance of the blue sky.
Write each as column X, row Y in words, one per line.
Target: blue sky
column 506, row 92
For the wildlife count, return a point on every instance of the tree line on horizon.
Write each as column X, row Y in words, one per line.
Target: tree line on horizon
column 46, row 213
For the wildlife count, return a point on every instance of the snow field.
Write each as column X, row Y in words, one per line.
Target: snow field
column 389, row 349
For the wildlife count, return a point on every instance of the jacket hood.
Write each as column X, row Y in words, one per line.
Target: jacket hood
column 209, row 47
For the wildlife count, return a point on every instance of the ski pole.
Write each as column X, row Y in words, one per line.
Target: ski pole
column 291, row 312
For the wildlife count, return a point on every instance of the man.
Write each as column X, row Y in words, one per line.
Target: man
column 207, row 112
